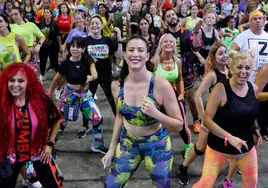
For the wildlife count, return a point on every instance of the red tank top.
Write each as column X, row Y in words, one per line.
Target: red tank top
column 64, row 24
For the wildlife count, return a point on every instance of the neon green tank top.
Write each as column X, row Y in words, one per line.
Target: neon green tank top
column 9, row 51
column 190, row 24
column 171, row 76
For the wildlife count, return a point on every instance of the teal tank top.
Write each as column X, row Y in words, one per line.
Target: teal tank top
column 168, row 75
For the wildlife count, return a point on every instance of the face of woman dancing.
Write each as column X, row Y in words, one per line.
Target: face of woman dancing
column 9, row 6
column 153, row 9
column 149, row 18
column 3, row 24
column 194, row 11
column 135, row 9
column 210, row 19
column 79, row 20
column 16, row 16
column 28, row 2
column 212, row 8
column 144, row 25
column 183, row 8
column 102, row 10
column 167, row 44
column 47, row 14
column 96, row 25
column 231, row 23
column 221, row 56
column 17, row 85
column 63, row 9
column 241, row 70
column 76, row 51
column 136, row 54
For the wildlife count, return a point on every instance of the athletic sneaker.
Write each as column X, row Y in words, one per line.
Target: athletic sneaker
column 42, row 78
column 83, row 132
column 95, row 97
column 100, row 149
column 186, row 149
column 196, row 126
column 27, row 184
column 227, row 184
column 239, row 171
column 265, row 137
column 183, row 175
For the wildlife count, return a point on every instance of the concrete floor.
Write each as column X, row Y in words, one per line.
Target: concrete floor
column 83, row 169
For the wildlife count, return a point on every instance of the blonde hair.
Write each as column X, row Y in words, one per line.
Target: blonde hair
column 211, row 59
column 159, row 49
column 235, row 56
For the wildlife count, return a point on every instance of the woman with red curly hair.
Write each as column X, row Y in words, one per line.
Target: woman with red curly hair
column 26, row 115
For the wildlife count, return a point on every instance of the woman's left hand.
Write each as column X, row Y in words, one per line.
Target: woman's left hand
column 89, row 78
column 148, row 107
column 46, row 155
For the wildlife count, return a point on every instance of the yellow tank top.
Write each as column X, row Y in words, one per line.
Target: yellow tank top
column 190, row 24
column 9, row 51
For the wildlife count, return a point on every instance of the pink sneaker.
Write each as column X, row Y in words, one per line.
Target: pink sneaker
column 227, row 183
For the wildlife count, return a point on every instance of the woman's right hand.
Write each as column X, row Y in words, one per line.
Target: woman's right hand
column 106, row 160
column 237, row 143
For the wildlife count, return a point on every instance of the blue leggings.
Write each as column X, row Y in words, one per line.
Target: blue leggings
column 155, row 149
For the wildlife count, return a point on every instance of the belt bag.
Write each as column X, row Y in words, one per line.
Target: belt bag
column 5, row 169
column 71, row 112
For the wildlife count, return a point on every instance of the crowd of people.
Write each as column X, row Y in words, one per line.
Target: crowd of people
column 159, row 48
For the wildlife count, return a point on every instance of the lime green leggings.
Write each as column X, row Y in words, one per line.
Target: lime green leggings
column 214, row 161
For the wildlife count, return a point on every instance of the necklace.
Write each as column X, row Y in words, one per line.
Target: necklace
column 77, row 66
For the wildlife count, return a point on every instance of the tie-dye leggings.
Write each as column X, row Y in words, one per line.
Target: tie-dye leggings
column 214, row 161
column 87, row 106
column 155, row 149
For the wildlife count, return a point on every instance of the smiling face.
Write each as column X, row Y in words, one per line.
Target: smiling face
column 194, row 11
column 149, row 18
column 241, row 70
column 102, row 10
column 76, row 51
column 47, row 14
column 221, row 56
column 17, row 84
column 96, row 25
column 167, row 44
column 153, row 9
column 79, row 20
column 136, row 54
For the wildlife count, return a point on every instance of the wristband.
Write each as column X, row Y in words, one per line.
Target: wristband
column 51, row 143
column 226, row 138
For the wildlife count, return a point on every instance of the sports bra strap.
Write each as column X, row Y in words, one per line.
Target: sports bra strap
column 151, row 87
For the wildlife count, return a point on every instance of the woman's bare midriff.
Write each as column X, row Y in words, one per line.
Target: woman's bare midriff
column 141, row 131
column 77, row 86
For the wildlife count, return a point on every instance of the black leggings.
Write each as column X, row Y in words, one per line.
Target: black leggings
column 46, row 174
column 53, row 53
column 105, row 84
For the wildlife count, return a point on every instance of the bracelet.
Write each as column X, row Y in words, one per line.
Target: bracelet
column 226, row 138
column 51, row 143
column 182, row 92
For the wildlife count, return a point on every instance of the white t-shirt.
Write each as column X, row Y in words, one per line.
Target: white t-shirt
column 258, row 45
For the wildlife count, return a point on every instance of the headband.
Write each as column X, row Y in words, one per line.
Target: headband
column 255, row 13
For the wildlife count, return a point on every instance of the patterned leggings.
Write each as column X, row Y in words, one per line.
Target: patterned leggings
column 87, row 106
column 214, row 161
column 156, row 150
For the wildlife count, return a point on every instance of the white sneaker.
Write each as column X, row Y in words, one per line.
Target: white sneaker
column 34, row 185
column 95, row 97
column 42, row 78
